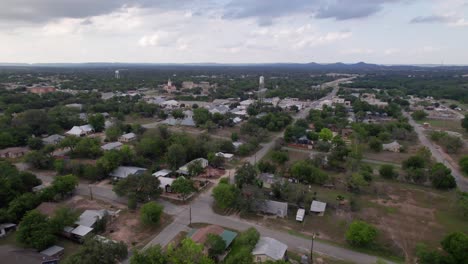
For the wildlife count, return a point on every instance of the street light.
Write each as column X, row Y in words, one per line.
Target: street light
column 312, row 249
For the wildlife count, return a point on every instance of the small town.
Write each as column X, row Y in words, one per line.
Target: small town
column 173, row 161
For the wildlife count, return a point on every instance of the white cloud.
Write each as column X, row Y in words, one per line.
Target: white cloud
column 391, row 51
column 358, row 51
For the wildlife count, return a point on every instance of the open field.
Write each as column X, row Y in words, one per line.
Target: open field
column 445, row 125
column 404, row 214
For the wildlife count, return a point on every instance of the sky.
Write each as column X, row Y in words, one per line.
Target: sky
column 234, row 31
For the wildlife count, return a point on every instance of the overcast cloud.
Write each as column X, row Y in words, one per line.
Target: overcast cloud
column 380, row 31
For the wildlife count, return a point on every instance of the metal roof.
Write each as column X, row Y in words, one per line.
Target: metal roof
column 81, row 230
column 52, row 251
column 318, row 206
column 270, row 247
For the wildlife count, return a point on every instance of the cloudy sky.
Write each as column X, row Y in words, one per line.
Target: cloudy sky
column 234, row 31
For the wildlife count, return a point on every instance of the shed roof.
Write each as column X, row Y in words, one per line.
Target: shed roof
column 270, row 247
column 162, row 173
column 318, row 207
column 111, row 146
column 81, row 230
column 125, row 171
column 52, row 251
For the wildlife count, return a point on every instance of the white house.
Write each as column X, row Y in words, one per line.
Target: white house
column 268, row 248
column 171, row 104
column 80, row 130
column 227, row 156
column 162, row 173
column 393, row 146
column 127, row 137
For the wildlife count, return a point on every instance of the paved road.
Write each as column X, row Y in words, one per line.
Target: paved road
column 266, row 147
column 438, row 154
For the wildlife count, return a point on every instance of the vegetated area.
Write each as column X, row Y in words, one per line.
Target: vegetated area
column 107, row 136
column 400, row 191
column 440, row 85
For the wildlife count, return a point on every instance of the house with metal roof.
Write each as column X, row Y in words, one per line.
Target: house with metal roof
column 127, row 137
column 112, row 146
column 79, row 131
column 123, row 172
column 184, row 169
column 53, row 251
column 53, row 139
column 201, row 235
column 269, row 249
column 273, row 207
column 162, row 173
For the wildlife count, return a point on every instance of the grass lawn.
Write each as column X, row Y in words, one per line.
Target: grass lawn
column 445, row 125
column 69, row 246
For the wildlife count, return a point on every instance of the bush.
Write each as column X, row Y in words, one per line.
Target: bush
column 464, row 164
column 151, row 212
column 361, row 234
column 441, row 177
column 419, row 115
column 387, row 171
column 375, row 144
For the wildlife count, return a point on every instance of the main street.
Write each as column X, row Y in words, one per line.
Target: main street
column 438, row 154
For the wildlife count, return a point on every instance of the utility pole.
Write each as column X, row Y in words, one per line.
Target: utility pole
column 190, row 215
column 312, row 250
column 90, row 191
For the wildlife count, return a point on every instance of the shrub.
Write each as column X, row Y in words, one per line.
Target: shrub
column 151, row 212
column 361, row 234
column 387, row 171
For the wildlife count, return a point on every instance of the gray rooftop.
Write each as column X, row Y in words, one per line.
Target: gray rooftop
column 270, row 247
column 52, row 251
column 124, row 171
column 318, row 207
column 90, row 217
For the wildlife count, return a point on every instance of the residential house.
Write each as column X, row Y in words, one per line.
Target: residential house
column 227, row 156
column 201, row 235
column 14, row 152
column 268, row 179
column 246, row 103
column 77, row 106
column 80, row 131
column 112, row 146
column 188, row 121
column 166, row 183
column 123, row 172
column 318, row 207
column 393, row 146
column 127, row 137
column 269, row 249
column 53, row 139
column 162, row 173
column 220, row 109
column 273, row 207
column 170, row 104
column 185, row 169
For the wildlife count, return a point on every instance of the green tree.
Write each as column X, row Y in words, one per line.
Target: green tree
column 375, row 144
column 63, row 185
column 97, row 121
column 88, row 148
column 387, row 171
column 225, row 195
column 187, row 252
column 152, row 255
column 151, row 213
column 201, row 116
column 279, row 157
column 419, row 115
column 113, row 133
column 215, row 244
column 326, row 134
column 195, row 168
column 464, row 122
column 63, row 217
column 178, row 113
column 464, row 164
column 144, row 186
column 35, row 143
column 94, row 251
column 176, row 156
column 70, row 142
column 462, row 203
column 456, row 245
column 246, row 174
column 305, row 171
column 35, row 231
column 361, row 234
column 183, row 186
column 441, row 177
